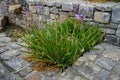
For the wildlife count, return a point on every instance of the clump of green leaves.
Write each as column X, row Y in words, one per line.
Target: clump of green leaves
column 61, row 44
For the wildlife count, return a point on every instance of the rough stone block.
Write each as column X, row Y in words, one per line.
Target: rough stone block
column 118, row 31
column 113, row 54
column 67, row 7
column 2, row 70
column 9, row 54
column 50, row 3
column 108, row 31
column 111, row 26
column 17, row 63
column 5, row 39
column 25, row 71
column 105, row 63
column 86, row 10
column 102, row 17
column 58, row 4
column 110, row 38
column 54, row 10
column 46, row 11
column 116, row 14
column 104, row 75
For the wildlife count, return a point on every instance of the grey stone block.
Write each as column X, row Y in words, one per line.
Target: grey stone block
column 116, row 14
column 110, row 38
column 9, row 54
column 105, row 63
column 118, row 31
column 58, row 4
column 104, row 75
column 5, row 39
column 2, row 70
column 50, row 3
column 102, row 17
column 111, row 26
column 17, row 63
column 46, row 11
column 25, row 71
column 108, row 31
column 54, row 10
column 67, row 7
column 86, row 10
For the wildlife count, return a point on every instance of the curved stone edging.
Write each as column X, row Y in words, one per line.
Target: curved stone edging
column 101, row 63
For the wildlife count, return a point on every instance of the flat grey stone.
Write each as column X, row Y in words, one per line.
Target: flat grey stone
column 111, row 26
column 118, row 31
column 5, row 39
column 17, row 63
column 104, row 75
column 102, row 17
column 90, row 56
column 58, row 4
column 46, row 11
column 25, row 71
column 108, row 31
column 14, row 45
column 105, row 63
column 108, row 46
column 2, row 35
column 10, row 76
column 116, row 14
column 97, row 50
column 54, row 10
column 86, row 10
column 3, row 49
column 9, row 54
column 50, row 3
column 90, row 70
column 112, row 54
column 2, row 44
column 2, row 70
column 110, row 39
column 67, row 7
column 114, row 77
column 116, row 69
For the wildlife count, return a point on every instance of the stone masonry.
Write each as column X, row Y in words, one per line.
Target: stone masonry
column 47, row 11
column 101, row 63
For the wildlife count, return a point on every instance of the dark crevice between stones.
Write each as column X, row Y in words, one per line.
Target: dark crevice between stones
column 12, row 30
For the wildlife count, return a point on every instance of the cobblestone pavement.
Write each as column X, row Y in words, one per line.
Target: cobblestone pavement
column 101, row 63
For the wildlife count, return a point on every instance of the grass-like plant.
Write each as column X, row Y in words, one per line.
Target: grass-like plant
column 61, row 44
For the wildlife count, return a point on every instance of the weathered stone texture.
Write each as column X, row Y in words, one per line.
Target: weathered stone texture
column 102, row 17
column 116, row 14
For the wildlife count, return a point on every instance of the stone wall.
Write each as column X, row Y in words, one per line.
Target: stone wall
column 47, row 11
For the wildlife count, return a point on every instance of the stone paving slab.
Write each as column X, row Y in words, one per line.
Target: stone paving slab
column 101, row 63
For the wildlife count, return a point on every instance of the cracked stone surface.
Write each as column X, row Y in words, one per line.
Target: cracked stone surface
column 101, row 63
